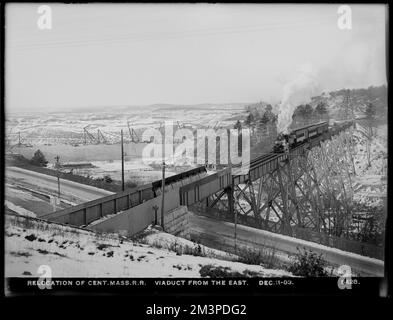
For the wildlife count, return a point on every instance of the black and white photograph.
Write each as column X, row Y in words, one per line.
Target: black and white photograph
column 176, row 144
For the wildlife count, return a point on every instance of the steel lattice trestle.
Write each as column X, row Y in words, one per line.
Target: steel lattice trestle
column 309, row 187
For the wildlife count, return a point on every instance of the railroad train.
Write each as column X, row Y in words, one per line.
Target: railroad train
column 284, row 142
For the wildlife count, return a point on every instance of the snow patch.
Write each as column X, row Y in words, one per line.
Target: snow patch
column 74, row 252
column 19, row 210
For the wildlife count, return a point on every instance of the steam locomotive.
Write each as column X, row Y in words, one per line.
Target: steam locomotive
column 285, row 142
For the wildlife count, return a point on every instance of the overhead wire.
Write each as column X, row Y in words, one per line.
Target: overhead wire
column 162, row 35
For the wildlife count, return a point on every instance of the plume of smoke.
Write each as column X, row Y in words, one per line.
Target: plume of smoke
column 296, row 92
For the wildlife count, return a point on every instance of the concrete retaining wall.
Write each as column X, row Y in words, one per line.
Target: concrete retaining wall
column 135, row 219
column 177, row 222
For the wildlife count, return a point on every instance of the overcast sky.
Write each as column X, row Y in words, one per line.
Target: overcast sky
column 120, row 54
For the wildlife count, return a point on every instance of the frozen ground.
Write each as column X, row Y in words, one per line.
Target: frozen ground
column 73, row 252
column 134, row 170
column 68, row 128
column 378, row 152
column 63, row 134
column 156, row 238
column 370, row 182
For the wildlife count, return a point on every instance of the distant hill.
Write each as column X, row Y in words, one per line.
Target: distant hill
column 339, row 104
column 345, row 101
column 201, row 106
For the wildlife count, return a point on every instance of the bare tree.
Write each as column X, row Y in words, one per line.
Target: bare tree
column 370, row 116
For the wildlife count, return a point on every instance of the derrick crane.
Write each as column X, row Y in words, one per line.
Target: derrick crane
column 216, row 125
column 87, row 134
column 114, row 135
column 99, row 134
column 133, row 135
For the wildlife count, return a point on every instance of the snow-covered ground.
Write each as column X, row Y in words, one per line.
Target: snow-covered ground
column 370, row 182
column 74, row 252
column 134, row 170
column 378, row 152
column 68, row 128
column 165, row 240
column 63, row 134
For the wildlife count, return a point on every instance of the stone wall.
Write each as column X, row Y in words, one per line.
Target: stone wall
column 177, row 222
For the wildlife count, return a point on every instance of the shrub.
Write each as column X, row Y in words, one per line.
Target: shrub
column 180, row 249
column 212, row 271
column 175, row 246
column 308, row 264
column 38, row 159
column 129, row 184
column 218, row 272
column 197, row 250
column 257, row 257
column 265, row 257
column 108, row 178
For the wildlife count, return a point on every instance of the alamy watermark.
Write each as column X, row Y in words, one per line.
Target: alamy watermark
column 44, row 21
column 345, row 280
column 227, row 147
column 45, row 276
column 344, row 20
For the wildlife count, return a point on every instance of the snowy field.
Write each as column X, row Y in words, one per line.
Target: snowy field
column 370, row 182
column 73, row 252
column 63, row 134
column 135, row 170
column 68, row 128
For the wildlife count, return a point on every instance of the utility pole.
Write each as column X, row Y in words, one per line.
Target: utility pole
column 231, row 191
column 163, row 184
column 122, row 162
column 19, row 137
column 163, row 195
column 58, row 175
column 155, row 207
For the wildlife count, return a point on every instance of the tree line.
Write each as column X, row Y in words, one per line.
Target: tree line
column 302, row 112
